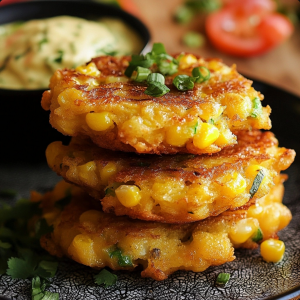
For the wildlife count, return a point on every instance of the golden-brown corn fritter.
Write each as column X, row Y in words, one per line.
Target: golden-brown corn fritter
column 173, row 188
column 85, row 234
column 97, row 100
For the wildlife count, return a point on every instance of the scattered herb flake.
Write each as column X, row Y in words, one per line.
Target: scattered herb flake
column 222, row 279
column 258, row 236
column 256, row 183
column 106, row 278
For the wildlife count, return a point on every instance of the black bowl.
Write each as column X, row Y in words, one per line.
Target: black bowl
column 26, row 133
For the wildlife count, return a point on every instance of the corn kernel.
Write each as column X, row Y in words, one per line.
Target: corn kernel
column 82, row 250
column 187, row 60
column 70, row 93
column 108, row 171
column 87, row 173
column 99, row 121
column 272, row 250
column 233, row 184
column 92, row 216
column 206, row 134
column 178, row 135
column 254, row 211
column 89, row 69
column 243, row 230
column 52, row 151
column 128, row 195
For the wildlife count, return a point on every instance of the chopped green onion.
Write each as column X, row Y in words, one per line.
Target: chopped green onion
column 110, row 192
column 257, row 108
column 205, row 6
column 193, row 39
column 183, row 82
column 184, row 14
column 156, row 85
column 201, row 74
column 156, row 77
column 138, row 61
column 157, row 49
column 258, row 236
column 140, row 74
column 167, row 68
column 256, row 183
column 222, row 278
column 156, row 89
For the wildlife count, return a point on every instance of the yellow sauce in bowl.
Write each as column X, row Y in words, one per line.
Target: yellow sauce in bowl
column 30, row 52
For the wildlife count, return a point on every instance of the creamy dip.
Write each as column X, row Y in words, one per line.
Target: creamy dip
column 31, row 51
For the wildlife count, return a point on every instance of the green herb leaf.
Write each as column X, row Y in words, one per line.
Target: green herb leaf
column 38, row 290
column 205, row 6
column 258, row 236
column 59, row 58
column 123, row 260
column 222, row 278
column 257, row 108
column 193, row 39
column 183, row 82
column 201, row 74
column 106, row 278
column 256, row 183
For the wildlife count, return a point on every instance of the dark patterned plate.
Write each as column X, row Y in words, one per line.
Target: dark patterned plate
column 251, row 277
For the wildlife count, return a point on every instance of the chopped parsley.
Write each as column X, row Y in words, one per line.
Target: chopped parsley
column 123, row 260
column 59, row 57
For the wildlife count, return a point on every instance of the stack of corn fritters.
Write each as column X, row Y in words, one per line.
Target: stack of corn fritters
column 167, row 183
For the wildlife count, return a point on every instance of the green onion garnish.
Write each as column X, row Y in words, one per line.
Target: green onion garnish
column 140, row 74
column 156, row 89
column 193, row 39
column 258, row 236
column 184, row 14
column 156, row 85
column 167, row 68
column 157, row 49
column 201, row 74
column 256, row 183
column 183, row 82
column 222, row 278
column 257, row 108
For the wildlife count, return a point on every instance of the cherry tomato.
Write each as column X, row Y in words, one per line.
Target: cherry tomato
column 247, row 28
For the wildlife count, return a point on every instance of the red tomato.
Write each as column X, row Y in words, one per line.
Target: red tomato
column 247, row 30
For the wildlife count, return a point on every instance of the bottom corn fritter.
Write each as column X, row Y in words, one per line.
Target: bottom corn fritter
column 85, row 234
column 173, row 188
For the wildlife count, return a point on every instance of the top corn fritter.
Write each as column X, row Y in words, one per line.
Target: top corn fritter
column 155, row 103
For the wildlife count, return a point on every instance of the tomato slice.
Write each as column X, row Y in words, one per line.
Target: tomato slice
column 237, row 33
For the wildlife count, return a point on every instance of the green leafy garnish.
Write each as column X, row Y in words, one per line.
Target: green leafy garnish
column 184, row 14
column 258, row 236
column 156, row 85
column 123, row 260
column 193, row 39
column 257, row 108
column 29, row 265
column 140, row 74
column 201, row 74
column 195, row 128
column 59, row 58
column 222, row 278
column 256, row 183
column 38, row 290
column 106, row 278
column 183, row 82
